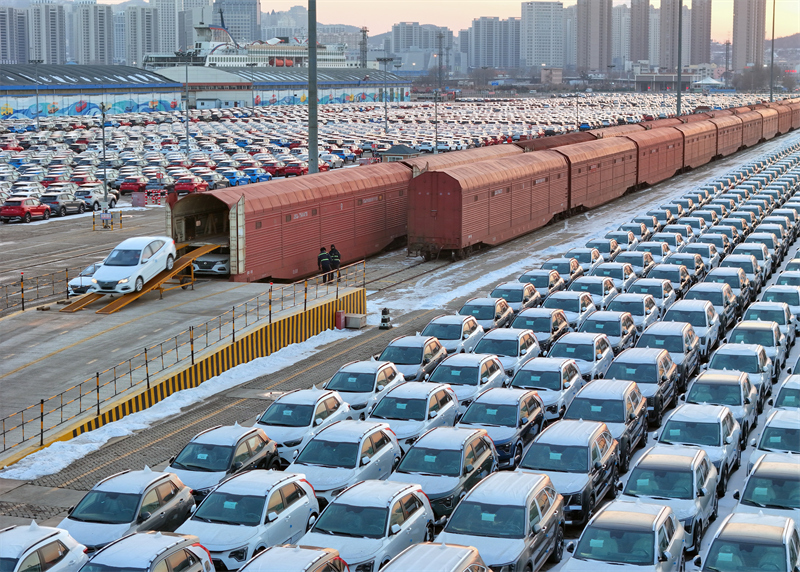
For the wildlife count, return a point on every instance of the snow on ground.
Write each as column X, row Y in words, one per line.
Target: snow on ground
column 61, row 454
column 88, row 214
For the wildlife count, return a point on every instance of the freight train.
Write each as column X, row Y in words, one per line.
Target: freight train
column 455, row 202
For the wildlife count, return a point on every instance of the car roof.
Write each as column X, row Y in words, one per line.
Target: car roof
column 450, row 319
column 466, row 360
column 256, row 483
column 364, row 366
column 130, row 481
column 504, row 395
column 631, row 297
column 225, row 435
column 737, row 348
column 777, row 465
column 606, row 316
column 507, row 488
column 447, row 438
column 348, row 430
column 482, row 301
column 505, row 333
column 580, row 338
column 698, row 412
column 570, row 432
column 670, row 456
column 432, row 557
column 720, row 377
column 137, row 550
column 540, row 312
column 545, row 364
column 755, row 325
column 411, row 341
column 691, row 305
column 512, row 286
column 139, row 241
column 606, row 388
column 415, row 389
column 753, row 528
column 651, row 281
column 784, row 418
column 792, row 381
column 628, row 515
column 639, row 355
column 15, row 540
column 287, row 558
column 373, row 493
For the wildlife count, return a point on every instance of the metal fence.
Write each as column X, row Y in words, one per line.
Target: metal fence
column 29, row 289
column 30, row 424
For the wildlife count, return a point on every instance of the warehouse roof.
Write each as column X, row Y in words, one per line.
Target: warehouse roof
column 325, row 76
column 27, row 76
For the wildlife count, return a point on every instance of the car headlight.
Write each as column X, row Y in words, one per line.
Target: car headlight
column 504, row 568
column 123, row 281
column 94, row 280
column 240, row 554
column 365, row 567
column 510, row 372
column 358, row 407
column 411, row 440
column 552, row 408
column 410, row 377
column 293, row 443
column 336, row 492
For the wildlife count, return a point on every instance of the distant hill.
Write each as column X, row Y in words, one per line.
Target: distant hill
column 787, row 42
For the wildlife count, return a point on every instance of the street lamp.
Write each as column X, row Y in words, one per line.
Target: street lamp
column 186, row 56
column 36, row 68
column 103, row 108
column 385, row 61
column 251, row 65
column 436, row 121
column 772, row 56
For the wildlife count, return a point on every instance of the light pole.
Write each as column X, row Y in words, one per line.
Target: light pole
column 385, row 61
column 436, row 121
column 103, row 108
column 397, row 66
column 313, row 127
column 36, row 68
column 680, row 54
column 251, row 65
column 186, row 58
column 772, row 55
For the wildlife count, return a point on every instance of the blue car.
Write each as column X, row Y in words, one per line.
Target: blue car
column 344, row 154
column 236, row 178
column 257, row 175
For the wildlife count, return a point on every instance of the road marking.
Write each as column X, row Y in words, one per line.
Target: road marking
column 116, row 350
column 9, row 356
column 64, row 332
column 91, row 362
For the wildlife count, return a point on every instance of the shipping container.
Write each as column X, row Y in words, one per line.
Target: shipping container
column 729, row 134
column 699, row 143
column 659, row 155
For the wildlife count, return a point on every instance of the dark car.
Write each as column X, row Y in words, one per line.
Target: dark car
column 62, row 204
column 656, row 374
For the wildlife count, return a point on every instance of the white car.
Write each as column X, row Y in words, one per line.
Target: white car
column 293, row 558
column 771, row 488
column 81, row 283
column 293, row 418
column 457, row 333
column 32, row 547
column 345, row 453
column 659, row 288
column 133, row 263
column 642, row 307
column 556, row 380
column 213, row 263
column 469, row 376
column 576, row 306
column 372, row 522
column 751, row 359
column 787, row 394
column 601, row 288
column 151, row 552
column 249, row 512
column 703, row 318
column 412, row 408
column 362, row 384
column 513, row 346
column 592, row 352
column 780, row 434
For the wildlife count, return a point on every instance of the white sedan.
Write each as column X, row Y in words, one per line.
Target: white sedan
column 133, row 263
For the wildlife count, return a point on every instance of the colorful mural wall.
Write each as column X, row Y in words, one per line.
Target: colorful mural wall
column 346, row 95
column 82, row 104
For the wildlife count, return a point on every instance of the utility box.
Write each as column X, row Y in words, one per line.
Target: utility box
column 138, row 199
column 355, row 321
column 340, row 323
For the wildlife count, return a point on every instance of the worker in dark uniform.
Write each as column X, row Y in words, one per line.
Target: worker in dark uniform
column 324, row 264
column 335, row 261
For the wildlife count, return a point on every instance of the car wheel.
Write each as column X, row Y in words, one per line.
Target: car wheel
column 624, row 458
column 429, row 534
column 170, row 262
column 743, row 439
column 558, row 547
column 81, row 208
column 696, row 536
column 139, row 284
column 738, row 462
column 62, row 212
column 96, row 207
column 659, row 414
column 715, row 511
column 722, row 484
column 112, row 204
column 517, row 455
column 27, row 218
column 682, row 566
column 46, row 214
column 274, row 464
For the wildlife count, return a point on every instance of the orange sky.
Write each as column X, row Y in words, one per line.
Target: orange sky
column 379, row 15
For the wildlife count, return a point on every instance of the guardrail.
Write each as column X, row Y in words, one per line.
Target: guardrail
column 31, row 423
column 30, row 289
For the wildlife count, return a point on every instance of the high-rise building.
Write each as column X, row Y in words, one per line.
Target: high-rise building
column 411, row 35
column 686, row 50
column 639, row 32
column 167, row 23
column 749, row 19
column 141, row 29
column 13, row 36
column 494, row 43
column 701, row 32
column 242, row 18
column 668, row 57
column 47, row 33
column 541, row 33
column 195, row 13
column 654, row 45
column 594, row 35
column 93, row 33
column 620, row 36
column 570, row 30
column 119, row 38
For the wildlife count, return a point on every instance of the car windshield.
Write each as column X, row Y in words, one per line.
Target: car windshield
column 559, row 458
column 536, row 324
column 572, row 350
column 434, row 462
column 691, row 433
column 400, row 408
column 455, row 375
column 714, row 297
column 623, row 546
column 639, row 372
column 791, row 298
column 352, row 382
column 632, row 258
column 694, row 317
column 204, row 457
column 443, row 331
column 613, row 272
column 507, row 294
column 484, row 312
column 654, row 249
column 764, row 315
column 655, row 290
column 490, row 414
column 672, row 344
column 402, row 355
column 761, row 336
column 608, row 327
column 498, row 347
column 788, row 398
column 120, row 257
column 747, row 266
column 482, row 519
column 783, row 279
column 780, row 439
column 287, row 415
column 560, row 267
column 106, row 507
column 591, row 287
column 89, row 270
column 772, row 492
column 715, row 393
column 566, row 304
column 540, row 281
column 229, row 508
column 740, row 556
column 664, row 483
column 747, row 363
column 341, row 519
column 329, row 454
column 542, row 380
column 605, row 410
column 635, row 307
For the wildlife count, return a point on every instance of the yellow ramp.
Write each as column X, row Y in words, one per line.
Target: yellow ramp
column 81, row 302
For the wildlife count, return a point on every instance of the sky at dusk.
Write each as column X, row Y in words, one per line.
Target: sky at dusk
column 379, row 15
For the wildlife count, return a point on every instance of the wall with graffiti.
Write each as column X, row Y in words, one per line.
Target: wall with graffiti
column 346, row 95
column 82, row 104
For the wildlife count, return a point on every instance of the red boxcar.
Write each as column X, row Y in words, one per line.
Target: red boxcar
column 488, row 202
column 694, row 117
column 784, row 116
column 441, row 161
column 275, row 230
column 699, row 143
column 795, row 107
column 659, row 155
column 769, row 123
column 729, row 134
column 657, row 123
column 599, row 171
column 616, row 131
column 752, row 128
column 543, row 143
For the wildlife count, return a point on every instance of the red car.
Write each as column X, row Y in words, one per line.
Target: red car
column 191, row 185
column 84, row 179
column 275, row 168
column 133, row 185
column 296, row 168
column 323, row 166
column 24, row 210
column 52, row 179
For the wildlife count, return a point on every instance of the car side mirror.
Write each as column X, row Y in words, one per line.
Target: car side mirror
column 702, row 491
column 753, row 442
column 468, row 469
column 747, row 401
column 736, row 494
column 394, row 529
column 571, row 547
column 466, row 335
column 365, row 460
column 426, row 361
column 523, row 421
column 631, row 416
column 567, row 385
column 295, row 453
column 523, row 351
column 770, row 401
column 682, row 397
column 434, row 414
column 597, row 465
column 143, row 516
column 272, row 517
column 665, row 556
column 171, row 460
column 318, row 421
column 620, row 486
column 236, row 466
column 537, row 528
column 697, row 561
column 728, row 440
column 311, row 520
